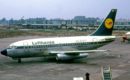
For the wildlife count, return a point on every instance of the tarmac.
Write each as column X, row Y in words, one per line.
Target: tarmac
column 41, row 69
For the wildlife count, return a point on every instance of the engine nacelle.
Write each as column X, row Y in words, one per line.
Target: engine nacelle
column 65, row 57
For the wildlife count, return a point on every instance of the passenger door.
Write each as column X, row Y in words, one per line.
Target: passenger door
column 26, row 47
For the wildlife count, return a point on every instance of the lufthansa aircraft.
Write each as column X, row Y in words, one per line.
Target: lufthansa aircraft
column 64, row 48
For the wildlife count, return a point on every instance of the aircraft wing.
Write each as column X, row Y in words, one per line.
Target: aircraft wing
column 78, row 51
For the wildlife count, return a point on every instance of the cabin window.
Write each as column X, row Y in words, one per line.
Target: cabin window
column 9, row 48
column 43, row 46
column 12, row 47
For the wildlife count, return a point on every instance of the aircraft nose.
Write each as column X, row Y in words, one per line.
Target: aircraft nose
column 4, row 52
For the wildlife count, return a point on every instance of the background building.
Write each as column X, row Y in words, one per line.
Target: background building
column 78, row 22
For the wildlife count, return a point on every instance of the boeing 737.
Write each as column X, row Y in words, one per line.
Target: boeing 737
column 64, row 48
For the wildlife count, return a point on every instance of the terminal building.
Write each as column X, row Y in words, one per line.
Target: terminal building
column 78, row 22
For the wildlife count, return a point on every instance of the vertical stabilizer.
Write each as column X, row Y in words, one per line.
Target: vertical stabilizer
column 106, row 28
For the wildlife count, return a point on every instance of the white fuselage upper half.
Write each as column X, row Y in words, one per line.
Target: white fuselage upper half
column 61, row 40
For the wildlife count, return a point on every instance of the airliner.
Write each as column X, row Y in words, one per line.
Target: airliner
column 64, row 48
column 126, row 37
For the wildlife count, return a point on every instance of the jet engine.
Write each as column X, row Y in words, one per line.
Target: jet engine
column 65, row 57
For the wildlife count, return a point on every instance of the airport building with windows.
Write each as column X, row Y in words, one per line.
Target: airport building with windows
column 78, row 22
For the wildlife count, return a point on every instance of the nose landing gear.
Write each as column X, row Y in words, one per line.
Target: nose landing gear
column 19, row 60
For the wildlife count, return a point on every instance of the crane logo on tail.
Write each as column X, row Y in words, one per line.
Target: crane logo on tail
column 108, row 23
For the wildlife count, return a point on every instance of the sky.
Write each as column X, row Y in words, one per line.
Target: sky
column 65, row 9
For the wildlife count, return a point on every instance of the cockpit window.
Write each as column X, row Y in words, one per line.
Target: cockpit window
column 9, row 47
column 12, row 47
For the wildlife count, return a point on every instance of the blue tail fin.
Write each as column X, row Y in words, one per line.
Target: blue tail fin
column 106, row 28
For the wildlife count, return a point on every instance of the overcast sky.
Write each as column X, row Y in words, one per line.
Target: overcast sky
column 66, row 9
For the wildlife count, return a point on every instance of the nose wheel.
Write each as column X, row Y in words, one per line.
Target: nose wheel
column 19, row 60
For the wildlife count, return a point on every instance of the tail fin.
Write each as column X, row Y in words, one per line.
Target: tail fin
column 105, row 29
